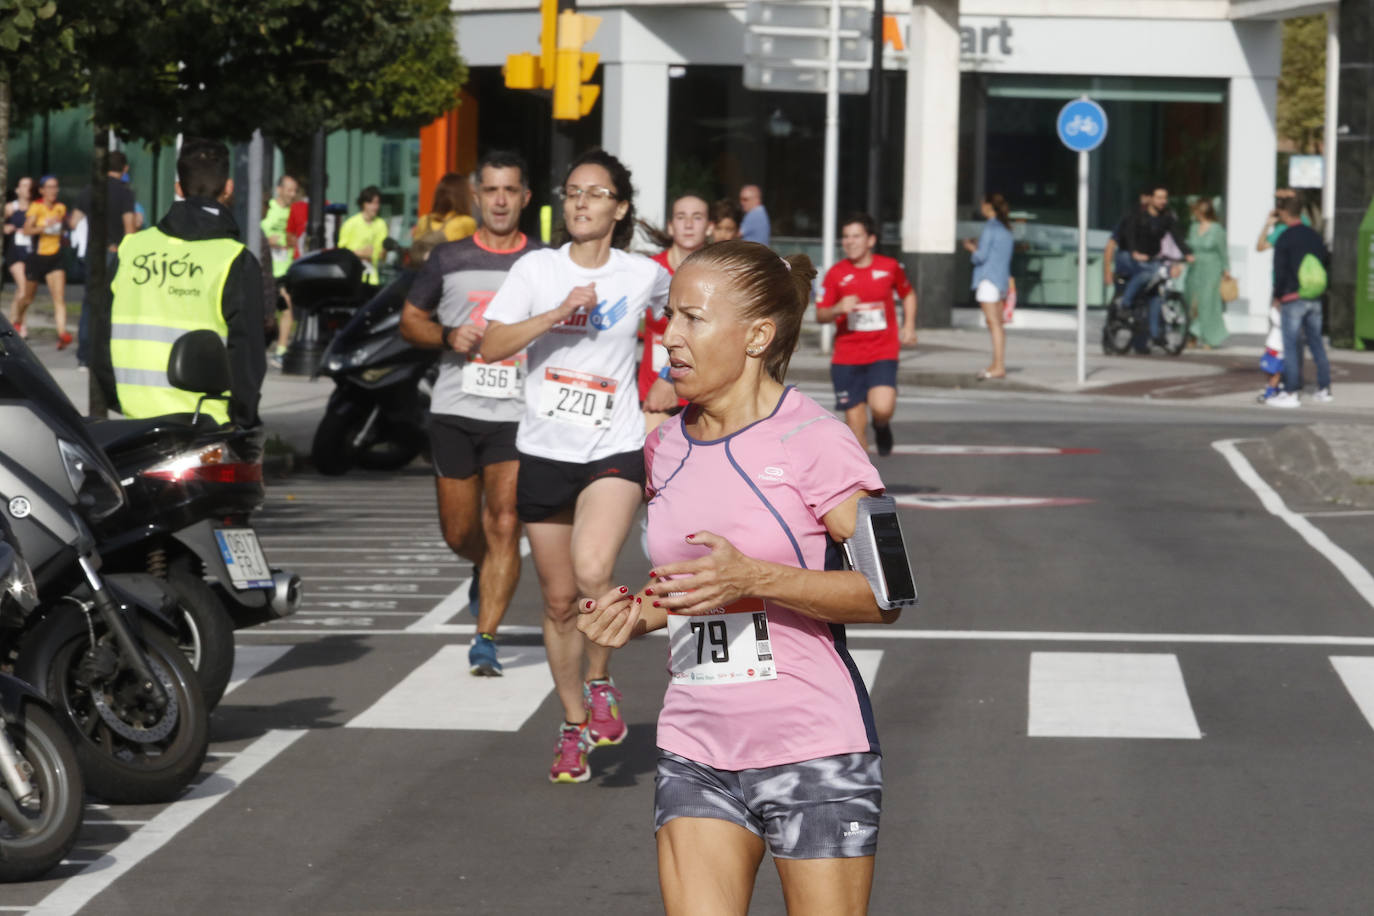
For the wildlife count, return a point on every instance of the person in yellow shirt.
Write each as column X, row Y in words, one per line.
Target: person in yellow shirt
column 363, row 233
column 448, row 220
column 44, row 222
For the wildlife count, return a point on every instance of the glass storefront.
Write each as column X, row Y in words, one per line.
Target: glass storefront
column 722, row 135
column 1169, row 131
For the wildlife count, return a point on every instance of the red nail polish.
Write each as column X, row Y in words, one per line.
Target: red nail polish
column 655, row 604
column 653, row 574
column 690, row 536
column 623, row 590
column 588, row 605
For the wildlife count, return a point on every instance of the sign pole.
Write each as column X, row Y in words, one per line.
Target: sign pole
column 1082, row 126
column 1082, row 268
column 832, row 159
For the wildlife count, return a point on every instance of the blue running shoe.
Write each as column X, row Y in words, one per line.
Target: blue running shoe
column 482, row 656
column 474, row 593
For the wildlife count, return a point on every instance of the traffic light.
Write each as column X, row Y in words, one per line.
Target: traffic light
column 528, row 71
column 573, row 97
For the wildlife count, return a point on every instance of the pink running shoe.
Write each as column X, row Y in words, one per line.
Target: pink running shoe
column 605, row 725
column 570, row 759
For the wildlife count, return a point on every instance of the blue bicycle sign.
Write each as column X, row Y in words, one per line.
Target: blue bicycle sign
column 1082, row 125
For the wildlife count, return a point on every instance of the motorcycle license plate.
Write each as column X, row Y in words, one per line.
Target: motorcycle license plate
column 244, row 557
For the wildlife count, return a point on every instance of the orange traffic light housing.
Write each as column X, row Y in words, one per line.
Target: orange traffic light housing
column 530, row 71
column 573, row 96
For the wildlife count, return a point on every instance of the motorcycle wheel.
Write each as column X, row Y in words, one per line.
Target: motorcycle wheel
column 205, row 634
column 333, row 451
column 34, row 837
column 130, row 753
column 1175, row 320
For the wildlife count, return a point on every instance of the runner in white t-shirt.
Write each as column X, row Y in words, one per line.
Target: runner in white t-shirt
column 576, row 311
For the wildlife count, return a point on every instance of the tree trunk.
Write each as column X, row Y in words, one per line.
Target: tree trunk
column 97, row 297
column 4, row 132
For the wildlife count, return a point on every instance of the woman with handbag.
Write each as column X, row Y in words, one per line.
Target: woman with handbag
column 1210, row 267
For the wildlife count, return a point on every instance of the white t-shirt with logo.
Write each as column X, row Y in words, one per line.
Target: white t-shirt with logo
column 581, row 401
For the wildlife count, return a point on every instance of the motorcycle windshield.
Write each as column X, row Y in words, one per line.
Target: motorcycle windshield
column 24, row 378
column 387, row 302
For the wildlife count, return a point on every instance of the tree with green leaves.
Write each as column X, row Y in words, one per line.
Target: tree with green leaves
column 22, row 25
column 1302, row 83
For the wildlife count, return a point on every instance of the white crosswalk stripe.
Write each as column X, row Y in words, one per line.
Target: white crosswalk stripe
column 1108, row 695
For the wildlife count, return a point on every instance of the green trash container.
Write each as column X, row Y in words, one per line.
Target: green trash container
column 1364, row 283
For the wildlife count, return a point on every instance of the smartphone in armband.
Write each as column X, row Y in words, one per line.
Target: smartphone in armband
column 878, row 551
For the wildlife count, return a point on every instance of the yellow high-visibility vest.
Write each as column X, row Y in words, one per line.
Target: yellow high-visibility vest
column 164, row 287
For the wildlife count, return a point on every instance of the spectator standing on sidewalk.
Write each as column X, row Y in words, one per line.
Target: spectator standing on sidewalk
column 17, row 244
column 991, row 255
column 120, row 220
column 364, row 232
column 281, row 248
column 1202, row 286
column 1274, row 223
column 1300, row 261
column 46, row 219
column 755, row 226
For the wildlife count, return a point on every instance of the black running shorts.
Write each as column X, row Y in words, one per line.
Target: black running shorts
column 461, row 446
column 545, row 487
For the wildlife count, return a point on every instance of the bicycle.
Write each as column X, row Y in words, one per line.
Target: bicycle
column 1128, row 323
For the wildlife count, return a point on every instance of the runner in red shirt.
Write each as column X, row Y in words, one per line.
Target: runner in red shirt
column 687, row 227
column 858, row 297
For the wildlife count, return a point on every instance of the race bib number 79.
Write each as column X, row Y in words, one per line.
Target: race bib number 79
column 730, row 645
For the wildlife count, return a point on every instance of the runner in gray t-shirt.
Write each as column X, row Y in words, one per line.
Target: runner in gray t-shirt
column 476, row 406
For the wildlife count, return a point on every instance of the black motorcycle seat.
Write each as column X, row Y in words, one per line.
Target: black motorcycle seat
column 115, row 435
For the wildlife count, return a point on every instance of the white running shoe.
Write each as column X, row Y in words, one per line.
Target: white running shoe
column 1284, row 399
column 1323, row 396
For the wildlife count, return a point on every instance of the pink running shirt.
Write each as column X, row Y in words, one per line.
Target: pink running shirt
column 765, row 489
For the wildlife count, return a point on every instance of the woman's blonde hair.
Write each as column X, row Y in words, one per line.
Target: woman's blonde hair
column 769, row 286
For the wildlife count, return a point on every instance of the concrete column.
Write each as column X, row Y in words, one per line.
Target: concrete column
column 1250, row 152
column 929, row 189
column 1329, row 136
column 253, row 228
column 634, row 126
column 1354, row 162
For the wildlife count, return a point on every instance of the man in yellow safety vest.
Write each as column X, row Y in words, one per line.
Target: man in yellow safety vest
column 189, row 272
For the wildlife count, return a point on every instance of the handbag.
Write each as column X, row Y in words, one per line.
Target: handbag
column 1009, row 304
column 1230, row 289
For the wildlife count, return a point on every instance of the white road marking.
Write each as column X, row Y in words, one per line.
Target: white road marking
column 78, row 890
column 1108, row 695
column 968, row 501
column 1358, row 577
column 854, row 633
column 442, row 695
column 867, row 661
column 915, row 449
column 250, row 660
column 453, row 604
column 1357, row 673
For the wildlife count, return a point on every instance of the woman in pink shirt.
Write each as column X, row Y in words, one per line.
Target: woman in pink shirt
column 766, row 737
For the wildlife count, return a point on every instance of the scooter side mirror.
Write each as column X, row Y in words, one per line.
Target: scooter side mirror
column 199, row 362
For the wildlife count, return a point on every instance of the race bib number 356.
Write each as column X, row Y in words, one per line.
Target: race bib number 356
column 492, row 380
column 578, row 398
column 727, row 646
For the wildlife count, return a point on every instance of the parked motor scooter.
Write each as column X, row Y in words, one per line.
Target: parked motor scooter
column 96, row 645
column 191, row 486
column 40, row 780
column 375, row 418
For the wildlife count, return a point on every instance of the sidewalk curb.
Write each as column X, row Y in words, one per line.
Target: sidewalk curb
column 1307, row 465
column 918, row 379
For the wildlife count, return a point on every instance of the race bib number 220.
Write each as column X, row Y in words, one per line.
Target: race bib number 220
column 578, row 398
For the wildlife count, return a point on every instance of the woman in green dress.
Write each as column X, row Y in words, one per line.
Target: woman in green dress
column 1202, row 287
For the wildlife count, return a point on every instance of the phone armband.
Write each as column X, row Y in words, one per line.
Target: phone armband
column 878, row 550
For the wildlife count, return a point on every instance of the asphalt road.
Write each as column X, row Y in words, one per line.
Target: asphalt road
column 1130, row 688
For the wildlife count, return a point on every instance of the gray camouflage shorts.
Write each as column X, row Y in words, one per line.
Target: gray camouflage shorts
column 825, row 808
